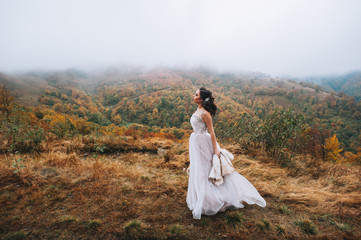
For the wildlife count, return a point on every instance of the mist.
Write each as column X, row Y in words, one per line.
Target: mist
column 280, row 37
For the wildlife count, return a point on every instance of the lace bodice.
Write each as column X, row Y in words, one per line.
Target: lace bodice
column 198, row 125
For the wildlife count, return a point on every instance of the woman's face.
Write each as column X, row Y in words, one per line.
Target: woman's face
column 197, row 97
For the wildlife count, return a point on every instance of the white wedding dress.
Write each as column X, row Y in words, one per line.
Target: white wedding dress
column 203, row 197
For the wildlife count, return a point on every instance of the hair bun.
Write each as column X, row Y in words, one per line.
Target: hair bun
column 208, row 100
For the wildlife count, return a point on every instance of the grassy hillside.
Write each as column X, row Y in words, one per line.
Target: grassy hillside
column 68, row 192
column 101, row 155
column 163, row 98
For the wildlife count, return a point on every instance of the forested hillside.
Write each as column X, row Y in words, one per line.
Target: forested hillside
column 101, row 155
column 349, row 83
column 162, row 99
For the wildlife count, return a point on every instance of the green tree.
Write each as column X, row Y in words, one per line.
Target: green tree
column 278, row 130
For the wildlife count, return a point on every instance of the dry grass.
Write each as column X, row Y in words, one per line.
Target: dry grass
column 64, row 193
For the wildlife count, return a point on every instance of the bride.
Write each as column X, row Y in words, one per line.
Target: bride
column 203, row 197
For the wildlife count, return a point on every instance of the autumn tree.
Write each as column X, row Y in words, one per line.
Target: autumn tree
column 6, row 101
column 312, row 141
column 61, row 125
column 332, row 149
column 117, row 119
column 354, row 158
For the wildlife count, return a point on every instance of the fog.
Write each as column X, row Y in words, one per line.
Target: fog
column 278, row 37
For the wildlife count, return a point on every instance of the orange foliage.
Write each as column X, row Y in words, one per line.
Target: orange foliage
column 117, row 119
column 119, row 131
column 332, row 149
column 130, row 132
column 82, row 126
column 46, row 101
column 6, row 101
column 64, row 97
column 354, row 158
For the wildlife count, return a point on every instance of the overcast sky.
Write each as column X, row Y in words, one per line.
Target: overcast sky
column 278, row 37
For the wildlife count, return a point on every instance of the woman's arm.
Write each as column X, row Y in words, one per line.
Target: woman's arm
column 208, row 120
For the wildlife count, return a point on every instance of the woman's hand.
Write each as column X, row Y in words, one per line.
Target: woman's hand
column 188, row 169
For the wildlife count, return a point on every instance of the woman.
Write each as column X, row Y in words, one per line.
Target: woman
column 203, row 197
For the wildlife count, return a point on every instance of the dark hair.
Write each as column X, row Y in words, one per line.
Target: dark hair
column 208, row 101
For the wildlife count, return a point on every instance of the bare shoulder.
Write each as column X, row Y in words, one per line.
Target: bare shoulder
column 206, row 115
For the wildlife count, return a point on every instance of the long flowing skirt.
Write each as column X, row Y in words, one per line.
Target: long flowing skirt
column 203, row 197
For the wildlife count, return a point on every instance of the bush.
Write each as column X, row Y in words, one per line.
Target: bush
column 178, row 231
column 275, row 133
column 98, row 118
column 234, row 219
column 61, row 126
column 280, row 229
column 20, row 132
column 307, row 226
column 278, row 130
column 94, row 224
column 133, row 227
column 264, row 224
column 248, row 130
column 344, row 227
column 284, row 209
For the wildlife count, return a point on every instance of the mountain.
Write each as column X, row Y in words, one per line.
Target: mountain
column 349, row 83
column 162, row 98
column 110, row 148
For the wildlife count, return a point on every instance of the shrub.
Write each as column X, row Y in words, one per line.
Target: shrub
column 344, row 227
column 61, row 126
column 307, row 226
column 133, row 227
column 275, row 133
column 68, row 219
column 234, row 219
column 278, row 131
column 94, row 224
column 17, row 164
column 20, row 132
column 284, row 209
column 178, row 230
column 266, row 223
column 280, row 229
column 263, row 224
column 98, row 118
